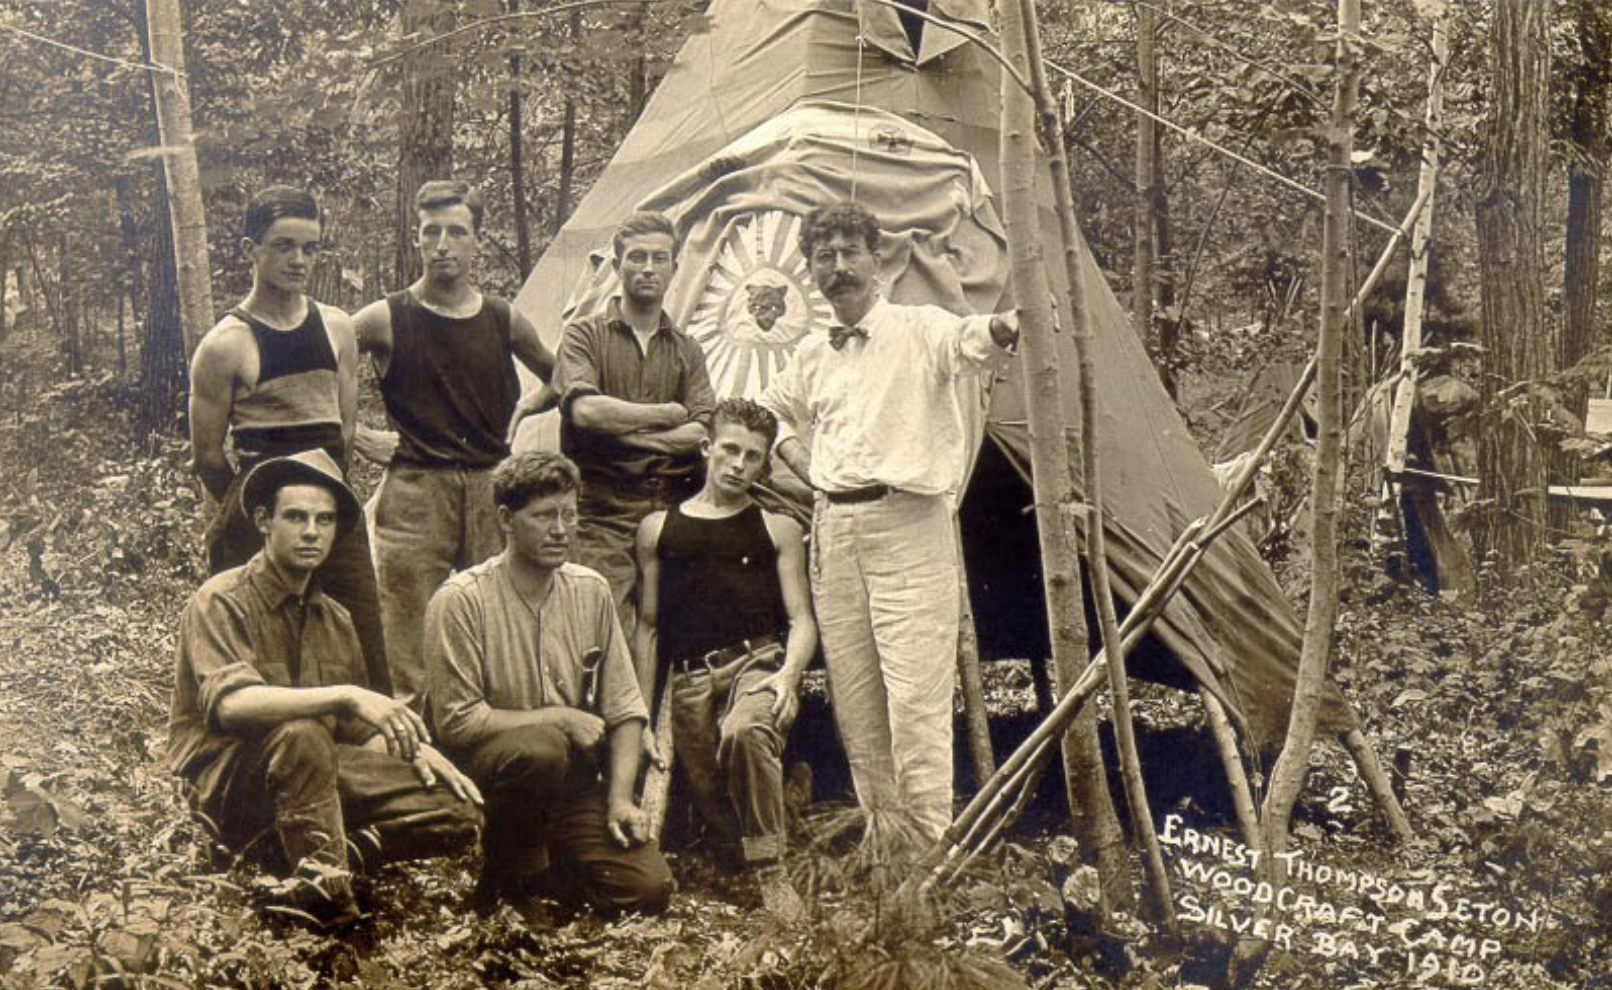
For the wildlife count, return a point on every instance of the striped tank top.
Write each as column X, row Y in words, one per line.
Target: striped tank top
column 295, row 405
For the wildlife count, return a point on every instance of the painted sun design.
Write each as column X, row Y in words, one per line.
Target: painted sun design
column 758, row 302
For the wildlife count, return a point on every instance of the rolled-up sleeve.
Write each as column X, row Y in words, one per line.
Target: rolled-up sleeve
column 577, row 369
column 783, row 397
column 620, row 700
column 699, row 398
column 455, row 665
column 218, row 652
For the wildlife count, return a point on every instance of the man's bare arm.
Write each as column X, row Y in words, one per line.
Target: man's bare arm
column 213, row 372
column 261, row 706
column 645, row 640
column 528, row 347
column 340, row 327
column 624, row 819
column 372, row 328
column 788, row 539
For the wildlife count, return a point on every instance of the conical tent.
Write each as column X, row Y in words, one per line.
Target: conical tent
column 783, row 105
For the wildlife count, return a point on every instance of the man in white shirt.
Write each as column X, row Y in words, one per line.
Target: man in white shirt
column 877, row 398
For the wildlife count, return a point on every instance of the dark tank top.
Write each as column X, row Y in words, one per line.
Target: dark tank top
column 718, row 583
column 450, row 386
column 295, row 404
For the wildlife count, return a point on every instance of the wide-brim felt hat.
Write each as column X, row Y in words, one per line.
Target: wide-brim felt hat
column 311, row 467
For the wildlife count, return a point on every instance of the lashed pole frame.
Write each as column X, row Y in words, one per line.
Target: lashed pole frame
column 988, row 812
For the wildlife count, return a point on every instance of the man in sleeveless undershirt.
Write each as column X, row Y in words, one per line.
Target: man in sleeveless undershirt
column 278, row 376
column 725, row 611
column 444, row 356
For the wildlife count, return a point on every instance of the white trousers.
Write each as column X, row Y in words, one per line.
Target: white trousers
column 884, row 582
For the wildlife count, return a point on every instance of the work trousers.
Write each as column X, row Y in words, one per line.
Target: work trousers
column 547, row 827
column 884, row 582
column 731, row 751
column 429, row 522
column 347, row 575
column 292, row 793
column 608, row 514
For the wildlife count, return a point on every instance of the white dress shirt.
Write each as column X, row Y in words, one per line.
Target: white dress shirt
column 883, row 410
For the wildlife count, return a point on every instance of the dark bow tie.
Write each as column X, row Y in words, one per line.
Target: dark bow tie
column 837, row 336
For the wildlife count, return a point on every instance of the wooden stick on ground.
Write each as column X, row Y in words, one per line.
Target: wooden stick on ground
column 990, row 799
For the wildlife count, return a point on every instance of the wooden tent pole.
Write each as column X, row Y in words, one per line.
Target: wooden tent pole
column 1371, row 771
column 1242, row 795
column 1056, row 503
column 1097, row 570
column 975, row 718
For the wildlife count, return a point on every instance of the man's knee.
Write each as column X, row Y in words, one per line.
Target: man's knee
column 747, row 745
column 299, row 754
column 638, row 882
column 527, row 756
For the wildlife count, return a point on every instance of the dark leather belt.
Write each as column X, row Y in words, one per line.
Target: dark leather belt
column 853, row 496
column 726, row 654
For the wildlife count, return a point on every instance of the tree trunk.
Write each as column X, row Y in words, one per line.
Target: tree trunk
column 1144, row 226
column 70, row 302
column 1516, row 333
column 1587, row 160
column 325, row 281
column 424, row 123
column 1168, row 316
column 5, row 282
column 1419, row 505
column 129, row 281
column 1287, row 777
column 568, row 144
column 183, row 177
column 637, row 72
column 517, row 165
column 162, row 346
column 1080, row 323
column 162, row 351
column 1095, row 821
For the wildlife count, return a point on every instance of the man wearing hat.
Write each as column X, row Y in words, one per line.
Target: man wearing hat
column 291, row 758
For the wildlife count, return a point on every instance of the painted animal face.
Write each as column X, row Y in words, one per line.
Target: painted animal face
column 767, row 304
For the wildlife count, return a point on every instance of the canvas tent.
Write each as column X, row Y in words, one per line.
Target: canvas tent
column 784, row 104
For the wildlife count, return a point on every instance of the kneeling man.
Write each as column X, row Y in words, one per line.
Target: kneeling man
column 272, row 723
column 725, row 609
column 532, row 687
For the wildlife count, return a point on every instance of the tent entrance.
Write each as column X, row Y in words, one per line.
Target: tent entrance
column 1002, row 561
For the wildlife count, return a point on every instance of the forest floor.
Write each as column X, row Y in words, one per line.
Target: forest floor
column 1495, row 713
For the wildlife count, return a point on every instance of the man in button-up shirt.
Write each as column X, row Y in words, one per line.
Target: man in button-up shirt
column 533, row 689
column 635, row 402
column 271, row 723
column 878, row 398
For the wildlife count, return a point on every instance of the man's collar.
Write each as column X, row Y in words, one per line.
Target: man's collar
column 867, row 318
column 269, row 584
column 615, row 318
